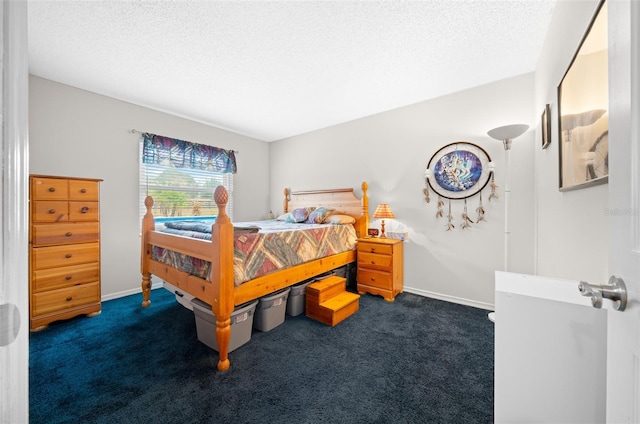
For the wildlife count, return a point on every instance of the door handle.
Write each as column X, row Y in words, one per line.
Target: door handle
column 616, row 291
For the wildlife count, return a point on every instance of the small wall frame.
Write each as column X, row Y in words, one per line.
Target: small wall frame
column 545, row 126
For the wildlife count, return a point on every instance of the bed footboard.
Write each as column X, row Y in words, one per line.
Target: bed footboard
column 221, row 295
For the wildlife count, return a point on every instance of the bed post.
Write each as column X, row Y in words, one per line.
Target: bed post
column 365, row 210
column 286, row 201
column 222, row 276
column 148, row 224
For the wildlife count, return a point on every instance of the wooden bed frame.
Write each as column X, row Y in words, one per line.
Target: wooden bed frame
column 219, row 290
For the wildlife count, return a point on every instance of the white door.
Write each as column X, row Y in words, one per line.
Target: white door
column 623, row 338
column 14, row 304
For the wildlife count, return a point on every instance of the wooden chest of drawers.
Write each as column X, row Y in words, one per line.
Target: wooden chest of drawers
column 64, row 248
column 380, row 267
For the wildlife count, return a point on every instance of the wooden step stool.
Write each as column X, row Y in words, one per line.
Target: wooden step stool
column 329, row 302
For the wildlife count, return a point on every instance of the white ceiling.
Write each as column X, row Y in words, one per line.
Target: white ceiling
column 274, row 69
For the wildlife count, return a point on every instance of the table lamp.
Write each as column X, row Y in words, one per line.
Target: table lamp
column 383, row 212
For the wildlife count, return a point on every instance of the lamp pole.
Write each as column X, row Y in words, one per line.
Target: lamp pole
column 506, row 134
column 507, row 193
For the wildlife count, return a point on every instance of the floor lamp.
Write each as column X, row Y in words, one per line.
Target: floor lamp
column 506, row 134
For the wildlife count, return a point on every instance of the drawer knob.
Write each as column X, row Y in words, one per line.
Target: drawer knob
column 84, row 209
column 68, row 277
column 373, row 250
column 69, row 298
column 84, row 190
column 52, row 189
column 52, row 211
column 68, row 255
column 69, row 234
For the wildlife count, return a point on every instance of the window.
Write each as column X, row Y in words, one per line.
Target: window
column 182, row 193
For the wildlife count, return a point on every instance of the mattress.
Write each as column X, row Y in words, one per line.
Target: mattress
column 261, row 247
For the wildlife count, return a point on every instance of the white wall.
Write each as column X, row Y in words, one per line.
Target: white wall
column 391, row 150
column 572, row 227
column 82, row 134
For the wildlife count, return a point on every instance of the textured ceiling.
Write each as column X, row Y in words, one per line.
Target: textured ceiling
column 274, row 69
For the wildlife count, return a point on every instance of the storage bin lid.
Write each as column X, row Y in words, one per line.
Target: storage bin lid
column 205, row 307
column 300, row 288
column 274, row 299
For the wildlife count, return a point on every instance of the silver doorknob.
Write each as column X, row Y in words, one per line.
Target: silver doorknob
column 616, row 291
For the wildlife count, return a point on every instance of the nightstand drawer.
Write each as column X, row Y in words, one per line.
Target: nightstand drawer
column 375, row 261
column 58, row 300
column 373, row 278
column 383, row 249
column 69, row 276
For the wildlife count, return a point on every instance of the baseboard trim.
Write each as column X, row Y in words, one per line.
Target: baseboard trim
column 425, row 293
column 452, row 299
column 129, row 292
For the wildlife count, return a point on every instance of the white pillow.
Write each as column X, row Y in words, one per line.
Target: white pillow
column 340, row 219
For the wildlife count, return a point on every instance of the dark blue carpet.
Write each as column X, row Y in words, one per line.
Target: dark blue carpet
column 416, row 360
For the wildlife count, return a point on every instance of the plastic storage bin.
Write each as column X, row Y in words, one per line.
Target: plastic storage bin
column 297, row 298
column 270, row 310
column 241, row 324
column 348, row 271
column 182, row 297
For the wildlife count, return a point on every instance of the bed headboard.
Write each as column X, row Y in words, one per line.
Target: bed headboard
column 343, row 200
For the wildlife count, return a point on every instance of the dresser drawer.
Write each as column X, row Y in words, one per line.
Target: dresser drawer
column 368, row 277
column 46, row 234
column 50, row 211
column 49, row 189
column 380, row 248
column 62, row 256
column 375, row 261
column 71, row 297
column 57, row 278
column 84, row 211
column 84, row 190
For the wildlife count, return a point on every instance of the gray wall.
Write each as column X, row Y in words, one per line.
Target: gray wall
column 78, row 133
column 391, row 150
column 573, row 226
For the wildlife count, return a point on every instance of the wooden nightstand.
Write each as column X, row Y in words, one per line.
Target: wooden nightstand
column 380, row 267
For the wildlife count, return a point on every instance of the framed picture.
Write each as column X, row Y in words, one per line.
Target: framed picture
column 583, row 123
column 545, row 125
column 459, row 170
column 373, row 232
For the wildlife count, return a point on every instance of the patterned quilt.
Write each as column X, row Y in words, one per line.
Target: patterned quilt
column 262, row 247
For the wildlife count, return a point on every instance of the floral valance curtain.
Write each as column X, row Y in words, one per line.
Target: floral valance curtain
column 184, row 154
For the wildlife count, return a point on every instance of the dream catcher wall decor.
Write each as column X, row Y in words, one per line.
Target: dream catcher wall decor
column 459, row 171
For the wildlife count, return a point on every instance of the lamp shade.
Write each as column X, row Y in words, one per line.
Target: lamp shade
column 383, row 211
column 508, row 132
